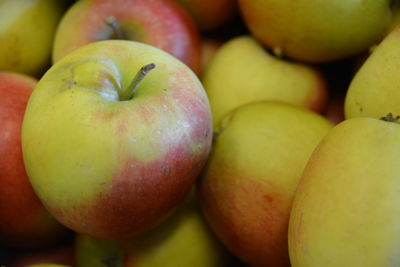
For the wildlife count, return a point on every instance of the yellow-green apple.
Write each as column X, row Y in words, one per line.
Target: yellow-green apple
column 161, row 23
column 242, row 71
column 319, row 30
column 184, row 239
column 375, row 89
column 27, row 31
column 210, row 14
column 24, row 221
column 247, row 186
column 110, row 153
column 345, row 211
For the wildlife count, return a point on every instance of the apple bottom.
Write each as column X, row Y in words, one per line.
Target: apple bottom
column 140, row 196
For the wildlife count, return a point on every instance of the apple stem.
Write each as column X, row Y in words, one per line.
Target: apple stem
column 113, row 23
column 389, row 117
column 139, row 77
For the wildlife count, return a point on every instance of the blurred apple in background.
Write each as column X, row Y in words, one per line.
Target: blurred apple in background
column 375, row 89
column 242, row 71
column 184, row 239
column 161, row 23
column 111, row 153
column 27, row 29
column 24, row 221
column 64, row 254
column 210, row 14
column 320, row 30
column 247, row 186
column 209, row 47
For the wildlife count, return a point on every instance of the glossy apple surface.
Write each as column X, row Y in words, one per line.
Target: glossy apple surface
column 161, row 23
column 247, row 186
column 345, row 211
column 319, row 30
column 27, row 32
column 108, row 164
column 24, row 221
column 242, row 71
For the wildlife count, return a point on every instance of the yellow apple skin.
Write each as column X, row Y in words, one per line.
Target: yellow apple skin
column 247, row 186
column 184, row 239
column 375, row 89
column 242, row 71
column 106, row 164
column 27, row 31
column 345, row 211
column 319, row 30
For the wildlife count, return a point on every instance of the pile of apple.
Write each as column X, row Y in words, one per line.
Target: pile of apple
column 203, row 133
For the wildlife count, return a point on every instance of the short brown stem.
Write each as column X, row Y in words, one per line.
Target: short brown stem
column 113, row 23
column 138, row 78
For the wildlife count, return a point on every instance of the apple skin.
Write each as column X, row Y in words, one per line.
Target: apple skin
column 317, row 31
column 345, row 211
column 64, row 255
column 26, row 34
column 25, row 222
column 209, row 47
column 242, row 71
column 107, row 165
column 161, row 23
column 247, row 186
column 374, row 90
column 210, row 14
column 184, row 239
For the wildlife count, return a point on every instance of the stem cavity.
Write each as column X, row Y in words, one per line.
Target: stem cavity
column 112, row 22
column 389, row 117
column 138, row 78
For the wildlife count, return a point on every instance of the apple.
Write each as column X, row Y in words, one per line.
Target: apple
column 320, row 30
column 184, row 239
column 161, row 23
column 27, row 31
column 247, row 186
column 210, row 14
column 24, row 221
column 111, row 154
column 374, row 90
column 345, row 211
column 209, row 47
column 47, row 265
column 64, row 254
column 242, row 71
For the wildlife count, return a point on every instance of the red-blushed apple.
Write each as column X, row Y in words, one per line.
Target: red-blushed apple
column 24, row 221
column 161, row 23
column 210, row 14
column 111, row 153
column 248, row 184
